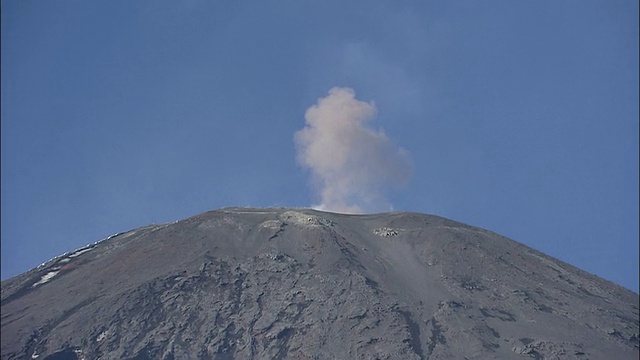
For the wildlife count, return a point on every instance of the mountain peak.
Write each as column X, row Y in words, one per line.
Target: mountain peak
column 302, row 283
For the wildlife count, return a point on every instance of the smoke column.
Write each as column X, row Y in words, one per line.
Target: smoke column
column 352, row 165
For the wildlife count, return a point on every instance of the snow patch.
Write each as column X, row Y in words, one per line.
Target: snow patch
column 80, row 252
column 46, row 278
column 114, row 235
column 102, row 336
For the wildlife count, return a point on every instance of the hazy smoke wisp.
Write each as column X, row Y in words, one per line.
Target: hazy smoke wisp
column 352, row 165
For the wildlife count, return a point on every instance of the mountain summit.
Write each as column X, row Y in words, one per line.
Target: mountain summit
column 303, row 284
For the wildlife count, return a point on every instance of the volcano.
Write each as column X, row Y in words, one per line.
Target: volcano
column 288, row 283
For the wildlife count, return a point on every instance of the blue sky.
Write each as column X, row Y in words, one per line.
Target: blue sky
column 518, row 117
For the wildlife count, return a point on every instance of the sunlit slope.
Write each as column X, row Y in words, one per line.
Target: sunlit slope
column 298, row 283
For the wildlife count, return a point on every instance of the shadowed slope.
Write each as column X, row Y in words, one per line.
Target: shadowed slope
column 298, row 283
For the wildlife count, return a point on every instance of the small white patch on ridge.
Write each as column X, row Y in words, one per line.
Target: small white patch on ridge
column 80, row 252
column 46, row 277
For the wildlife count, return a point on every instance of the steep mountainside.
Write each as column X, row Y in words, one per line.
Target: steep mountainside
column 303, row 284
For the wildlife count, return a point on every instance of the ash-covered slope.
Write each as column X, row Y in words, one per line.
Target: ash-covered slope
column 302, row 284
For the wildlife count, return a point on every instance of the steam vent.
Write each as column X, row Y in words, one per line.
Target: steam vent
column 284, row 283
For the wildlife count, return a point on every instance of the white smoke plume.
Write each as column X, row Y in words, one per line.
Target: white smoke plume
column 352, row 165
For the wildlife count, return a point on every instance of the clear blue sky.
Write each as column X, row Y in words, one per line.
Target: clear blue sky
column 520, row 117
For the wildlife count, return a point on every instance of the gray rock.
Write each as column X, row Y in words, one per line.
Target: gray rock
column 303, row 284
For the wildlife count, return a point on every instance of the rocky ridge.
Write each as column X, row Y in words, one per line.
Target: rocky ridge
column 303, row 284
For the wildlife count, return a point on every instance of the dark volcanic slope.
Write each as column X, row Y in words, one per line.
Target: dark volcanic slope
column 302, row 284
